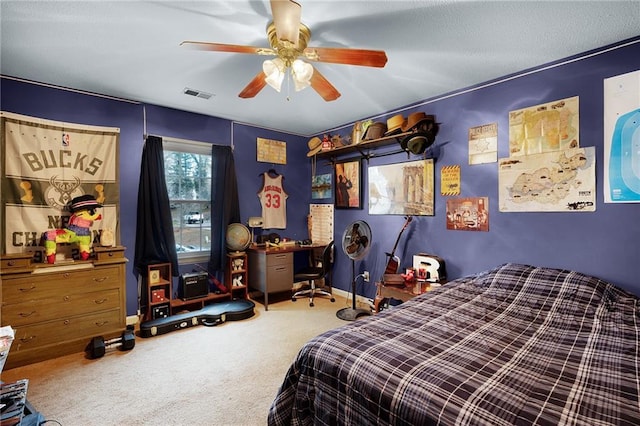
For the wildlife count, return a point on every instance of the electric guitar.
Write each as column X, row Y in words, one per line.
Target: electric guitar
column 393, row 264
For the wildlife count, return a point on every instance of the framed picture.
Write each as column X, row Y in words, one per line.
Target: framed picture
column 154, row 276
column 321, row 186
column 348, row 182
column 402, row 188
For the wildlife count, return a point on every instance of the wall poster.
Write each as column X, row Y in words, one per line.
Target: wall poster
column 348, row 179
column 321, row 186
column 45, row 164
column 450, row 180
column 483, row 144
column 320, row 223
column 622, row 138
column 560, row 181
column 402, row 188
column 468, row 214
column 546, row 127
column 271, row 151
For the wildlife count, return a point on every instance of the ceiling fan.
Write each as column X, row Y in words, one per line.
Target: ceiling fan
column 288, row 38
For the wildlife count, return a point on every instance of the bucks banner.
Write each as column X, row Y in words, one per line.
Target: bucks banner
column 44, row 165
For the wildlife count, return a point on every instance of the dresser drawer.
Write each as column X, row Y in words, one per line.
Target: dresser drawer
column 42, row 286
column 279, row 259
column 10, row 262
column 54, row 332
column 108, row 254
column 61, row 306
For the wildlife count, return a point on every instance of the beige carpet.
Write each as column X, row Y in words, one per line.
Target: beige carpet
column 223, row 375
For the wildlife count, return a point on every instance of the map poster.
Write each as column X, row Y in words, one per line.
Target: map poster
column 622, row 138
column 270, row 151
column 560, row 181
column 483, row 144
column 546, row 127
column 468, row 214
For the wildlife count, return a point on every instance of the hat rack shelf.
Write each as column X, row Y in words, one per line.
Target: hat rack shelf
column 365, row 148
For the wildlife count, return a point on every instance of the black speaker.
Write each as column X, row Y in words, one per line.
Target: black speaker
column 160, row 311
column 193, row 286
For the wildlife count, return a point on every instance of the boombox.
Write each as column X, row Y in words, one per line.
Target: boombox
column 193, row 286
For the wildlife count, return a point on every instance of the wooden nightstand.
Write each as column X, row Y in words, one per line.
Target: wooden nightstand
column 402, row 293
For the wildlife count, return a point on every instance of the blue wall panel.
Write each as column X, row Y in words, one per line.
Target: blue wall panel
column 602, row 243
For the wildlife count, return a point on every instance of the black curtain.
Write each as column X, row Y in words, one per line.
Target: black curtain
column 155, row 242
column 225, row 207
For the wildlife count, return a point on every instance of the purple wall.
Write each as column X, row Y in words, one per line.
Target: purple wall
column 603, row 243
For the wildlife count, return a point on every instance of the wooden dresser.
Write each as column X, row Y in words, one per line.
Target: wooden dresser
column 55, row 310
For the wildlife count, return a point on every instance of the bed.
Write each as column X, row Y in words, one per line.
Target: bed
column 514, row 345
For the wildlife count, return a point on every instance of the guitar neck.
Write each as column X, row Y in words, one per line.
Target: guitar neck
column 394, row 261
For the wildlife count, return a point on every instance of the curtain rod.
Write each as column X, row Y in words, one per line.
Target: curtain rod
column 184, row 141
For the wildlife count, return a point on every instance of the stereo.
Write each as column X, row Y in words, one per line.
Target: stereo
column 193, row 286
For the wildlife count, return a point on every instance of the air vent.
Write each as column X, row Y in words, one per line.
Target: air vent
column 197, row 93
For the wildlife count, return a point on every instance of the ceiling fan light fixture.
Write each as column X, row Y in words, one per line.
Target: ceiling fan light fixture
column 274, row 69
column 302, row 73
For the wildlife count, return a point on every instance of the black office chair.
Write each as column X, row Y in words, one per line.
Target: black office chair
column 313, row 273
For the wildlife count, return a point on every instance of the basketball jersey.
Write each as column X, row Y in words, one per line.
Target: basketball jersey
column 273, row 199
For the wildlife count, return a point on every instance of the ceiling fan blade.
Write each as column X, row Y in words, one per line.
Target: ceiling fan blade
column 363, row 57
column 254, row 86
column 232, row 48
column 321, row 85
column 286, row 18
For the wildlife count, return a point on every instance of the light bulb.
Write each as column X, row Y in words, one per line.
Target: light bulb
column 274, row 70
column 302, row 73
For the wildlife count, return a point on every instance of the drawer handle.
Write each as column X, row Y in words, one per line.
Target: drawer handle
column 66, row 298
column 27, row 339
column 101, row 323
column 67, row 275
column 99, row 280
column 66, row 322
column 281, row 268
column 11, row 263
column 25, row 290
column 23, row 315
column 110, row 254
column 100, row 301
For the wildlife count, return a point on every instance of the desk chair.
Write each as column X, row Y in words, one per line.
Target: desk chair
column 313, row 273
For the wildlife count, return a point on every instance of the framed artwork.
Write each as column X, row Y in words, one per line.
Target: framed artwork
column 321, row 186
column 348, row 182
column 468, row 214
column 402, row 188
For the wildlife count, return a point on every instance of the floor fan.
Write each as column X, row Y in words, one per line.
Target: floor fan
column 356, row 242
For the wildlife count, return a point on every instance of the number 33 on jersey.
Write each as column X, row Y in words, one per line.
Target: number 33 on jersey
column 273, row 199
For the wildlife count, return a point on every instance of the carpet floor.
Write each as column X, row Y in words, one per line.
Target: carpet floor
column 223, row 375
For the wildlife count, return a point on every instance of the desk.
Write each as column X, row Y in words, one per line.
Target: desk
column 271, row 269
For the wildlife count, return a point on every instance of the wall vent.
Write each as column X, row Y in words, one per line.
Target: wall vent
column 196, row 93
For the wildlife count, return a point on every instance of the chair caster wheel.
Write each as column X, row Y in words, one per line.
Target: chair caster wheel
column 333, row 299
column 293, row 299
column 311, row 304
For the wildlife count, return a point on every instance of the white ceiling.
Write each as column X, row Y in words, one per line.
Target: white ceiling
column 131, row 50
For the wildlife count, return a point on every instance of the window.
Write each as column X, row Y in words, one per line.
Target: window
column 187, row 167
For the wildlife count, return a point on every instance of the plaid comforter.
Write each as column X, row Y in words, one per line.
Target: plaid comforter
column 516, row 345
